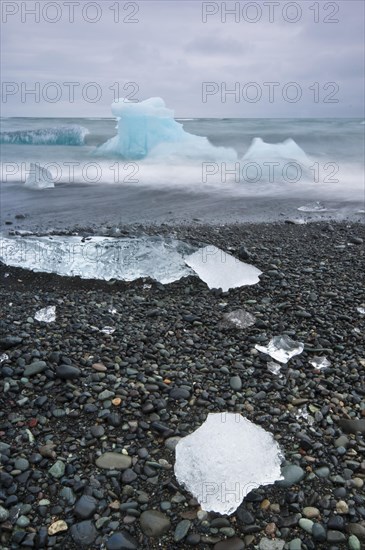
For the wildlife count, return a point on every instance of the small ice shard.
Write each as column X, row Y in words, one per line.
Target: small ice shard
column 361, row 310
column 108, row 330
column 313, row 207
column 225, row 459
column 273, row 367
column 303, row 413
column 39, row 177
column 320, row 362
column 46, row 315
column 238, row 319
column 4, row 357
column 112, row 310
column 221, row 270
column 282, row 348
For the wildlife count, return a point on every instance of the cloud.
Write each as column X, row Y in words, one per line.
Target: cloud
column 170, row 52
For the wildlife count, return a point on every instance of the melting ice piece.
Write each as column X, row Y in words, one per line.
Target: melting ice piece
column 148, row 128
column 281, row 348
column 320, row 362
column 361, row 310
column 238, row 318
column 39, row 177
column 46, row 315
column 225, row 459
column 313, row 207
column 112, row 310
column 4, row 357
column 273, row 367
column 221, row 270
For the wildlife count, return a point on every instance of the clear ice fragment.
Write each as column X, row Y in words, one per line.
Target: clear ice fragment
column 273, row 367
column 361, row 310
column 221, row 270
column 281, row 348
column 320, row 362
column 39, row 177
column 313, row 207
column 4, row 357
column 46, row 315
column 238, row 318
column 100, row 257
column 225, row 459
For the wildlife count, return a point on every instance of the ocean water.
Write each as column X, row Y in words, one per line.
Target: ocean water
column 160, row 187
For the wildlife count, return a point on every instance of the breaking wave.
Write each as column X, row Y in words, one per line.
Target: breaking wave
column 63, row 135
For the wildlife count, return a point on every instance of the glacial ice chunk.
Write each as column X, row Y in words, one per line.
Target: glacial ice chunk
column 4, row 357
column 46, row 315
column 361, row 310
column 281, row 348
column 320, row 362
column 221, row 270
column 39, row 177
column 148, row 129
column 238, row 319
column 313, row 207
column 225, row 459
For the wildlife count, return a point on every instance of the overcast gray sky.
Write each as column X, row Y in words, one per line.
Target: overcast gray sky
column 170, row 52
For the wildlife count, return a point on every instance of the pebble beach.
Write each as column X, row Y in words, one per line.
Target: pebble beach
column 93, row 404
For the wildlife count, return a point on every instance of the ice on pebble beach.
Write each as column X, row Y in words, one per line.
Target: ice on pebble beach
column 4, row 357
column 39, row 177
column 320, row 362
column 46, row 315
column 238, row 318
column 361, row 310
column 225, row 459
column 221, row 270
column 148, row 129
column 281, row 348
column 163, row 259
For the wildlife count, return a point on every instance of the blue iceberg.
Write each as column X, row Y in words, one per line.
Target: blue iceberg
column 148, row 129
